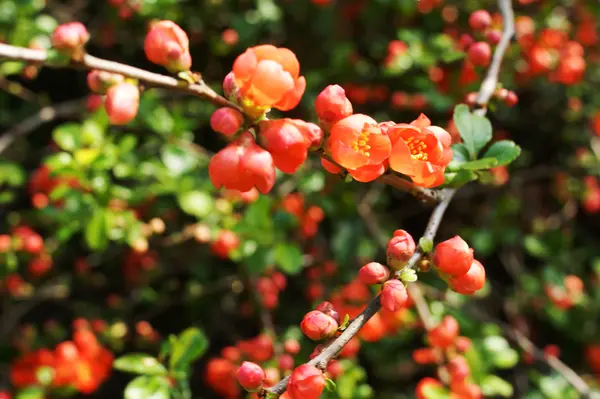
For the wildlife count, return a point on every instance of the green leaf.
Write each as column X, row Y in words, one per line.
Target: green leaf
column 96, row 231
column 495, row 386
column 505, row 359
column 475, row 130
column 178, row 160
column 536, row 247
column 190, row 345
column 483, row 163
column 30, row 393
column 67, row 136
column 459, row 178
column 426, row 244
column 289, row 258
column 8, row 68
column 196, row 203
column 330, row 385
column 460, row 153
column 148, row 387
column 504, row 152
column 139, row 363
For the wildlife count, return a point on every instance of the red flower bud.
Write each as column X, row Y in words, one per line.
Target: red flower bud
column 399, row 249
column 444, row 334
column 70, row 37
column 100, row 81
column 393, row 295
column 226, row 121
column 453, row 256
column 122, row 103
column 242, row 165
column 5, row 243
column 226, row 242
column 424, row 356
column 285, row 362
column 470, row 282
column 462, row 344
column 332, row 105
column 458, row 368
column 480, row 53
column 230, row 89
column 480, row 19
column 317, row 325
column 291, row 346
column 328, row 309
column 250, row 376
column 167, row 44
column 306, row 382
column 373, row 273
column 287, row 141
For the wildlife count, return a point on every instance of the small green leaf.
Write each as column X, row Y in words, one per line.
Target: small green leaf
column 495, row 386
column 504, row 152
column 408, row 275
column 196, row 203
column 139, row 363
column 345, row 322
column 330, row 385
column 475, row 130
column 460, row 153
column 459, row 178
column 11, row 68
column 96, row 231
column 483, row 163
column 505, row 359
column 426, row 244
column 148, row 387
column 190, row 345
column 67, row 136
column 178, row 160
column 30, row 393
column 289, row 258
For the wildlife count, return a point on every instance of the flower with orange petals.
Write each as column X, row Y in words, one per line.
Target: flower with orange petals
column 420, row 151
column 267, row 76
column 358, row 141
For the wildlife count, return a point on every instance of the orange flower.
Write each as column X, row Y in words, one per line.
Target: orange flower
column 420, row 151
column 358, row 141
column 268, row 76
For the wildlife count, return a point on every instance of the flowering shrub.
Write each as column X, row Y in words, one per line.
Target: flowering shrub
column 356, row 210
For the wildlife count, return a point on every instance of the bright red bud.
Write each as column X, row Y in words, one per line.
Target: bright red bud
column 373, row 273
column 122, row 103
column 458, row 368
column 100, row 81
column 393, row 295
column 287, row 141
column 480, row 20
column 243, row 165
column 167, row 44
column 332, row 105
column 317, row 325
column 444, row 334
column 470, row 282
column 328, row 309
column 480, row 53
column 226, row 121
column 306, row 382
column 250, row 376
column 399, row 249
column 70, row 37
column 453, row 256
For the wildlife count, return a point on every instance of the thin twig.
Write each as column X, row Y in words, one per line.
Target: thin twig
column 373, row 307
column 199, row 89
column 44, row 115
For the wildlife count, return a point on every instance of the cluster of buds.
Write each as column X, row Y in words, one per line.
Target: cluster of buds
column 566, row 295
column 309, row 218
column 269, row 287
column 456, row 264
column 447, row 348
column 25, row 243
column 82, row 364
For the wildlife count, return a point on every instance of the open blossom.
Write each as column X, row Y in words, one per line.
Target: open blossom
column 420, row 151
column 267, row 76
column 167, row 44
column 243, row 165
column 358, row 141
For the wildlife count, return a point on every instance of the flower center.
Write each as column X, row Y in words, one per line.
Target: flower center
column 361, row 144
column 417, row 149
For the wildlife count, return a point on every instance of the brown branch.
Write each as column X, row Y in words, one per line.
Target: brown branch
column 44, row 115
column 373, row 307
column 200, row 89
